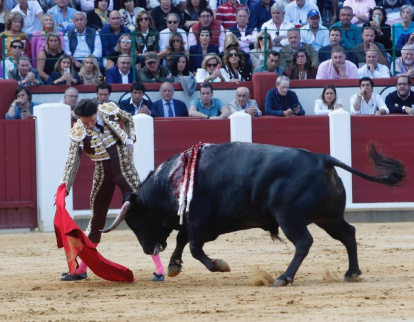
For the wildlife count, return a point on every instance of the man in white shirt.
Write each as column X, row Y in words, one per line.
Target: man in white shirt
column 297, row 11
column 366, row 102
column 32, row 13
column 173, row 20
column 277, row 27
column 82, row 41
column 314, row 33
column 372, row 68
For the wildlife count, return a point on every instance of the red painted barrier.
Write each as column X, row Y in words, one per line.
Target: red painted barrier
column 18, row 199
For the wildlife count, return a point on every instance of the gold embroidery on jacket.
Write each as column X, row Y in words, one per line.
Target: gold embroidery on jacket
column 127, row 168
column 98, row 178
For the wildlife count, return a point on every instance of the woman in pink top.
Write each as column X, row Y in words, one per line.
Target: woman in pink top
column 360, row 9
column 39, row 37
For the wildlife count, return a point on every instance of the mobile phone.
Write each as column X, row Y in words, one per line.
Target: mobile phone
column 67, row 70
column 375, row 18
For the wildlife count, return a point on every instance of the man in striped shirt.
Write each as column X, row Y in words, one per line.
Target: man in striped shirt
column 226, row 13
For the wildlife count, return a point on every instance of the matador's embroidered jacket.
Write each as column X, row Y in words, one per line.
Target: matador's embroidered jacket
column 94, row 144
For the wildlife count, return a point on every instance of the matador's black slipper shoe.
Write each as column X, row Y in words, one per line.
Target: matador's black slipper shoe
column 75, row 277
column 158, row 278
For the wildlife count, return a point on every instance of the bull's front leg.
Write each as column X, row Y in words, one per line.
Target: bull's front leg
column 174, row 268
column 213, row 265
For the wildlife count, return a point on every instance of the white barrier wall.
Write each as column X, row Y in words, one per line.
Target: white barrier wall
column 240, row 127
column 340, row 146
column 144, row 145
column 52, row 145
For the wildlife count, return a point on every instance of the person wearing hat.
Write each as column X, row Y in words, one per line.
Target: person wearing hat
column 314, row 33
column 153, row 72
column 122, row 72
column 297, row 11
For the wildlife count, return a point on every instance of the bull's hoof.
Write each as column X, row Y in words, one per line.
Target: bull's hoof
column 353, row 278
column 221, row 265
column 174, row 270
column 282, row 282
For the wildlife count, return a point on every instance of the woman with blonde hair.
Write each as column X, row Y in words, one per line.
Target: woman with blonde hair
column 39, row 37
column 124, row 46
column 232, row 41
column 14, row 25
column 89, row 71
column 147, row 37
column 47, row 58
column 176, row 46
column 257, row 54
column 211, row 70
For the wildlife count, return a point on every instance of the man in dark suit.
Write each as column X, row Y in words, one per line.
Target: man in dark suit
column 167, row 106
column 136, row 104
column 246, row 34
column 122, row 72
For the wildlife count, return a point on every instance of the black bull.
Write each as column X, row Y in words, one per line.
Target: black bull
column 239, row 186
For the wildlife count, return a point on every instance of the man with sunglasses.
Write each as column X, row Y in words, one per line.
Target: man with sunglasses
column 173, row 21
column 159, row 14
column 153, row 72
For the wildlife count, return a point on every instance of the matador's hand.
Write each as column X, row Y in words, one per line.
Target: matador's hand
column 130, row 150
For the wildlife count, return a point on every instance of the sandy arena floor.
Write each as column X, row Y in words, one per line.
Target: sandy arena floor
column 31, row 264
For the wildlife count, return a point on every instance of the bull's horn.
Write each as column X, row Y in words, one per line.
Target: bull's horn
column 157, row 249
column 118, row 218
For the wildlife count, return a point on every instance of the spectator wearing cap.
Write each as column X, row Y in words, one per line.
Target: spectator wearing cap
column 297, row 11
column 314, row 33
column 153, row 72
column 122, row 72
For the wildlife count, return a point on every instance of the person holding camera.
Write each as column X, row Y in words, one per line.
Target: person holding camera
column 22, row 107
column 64, row 73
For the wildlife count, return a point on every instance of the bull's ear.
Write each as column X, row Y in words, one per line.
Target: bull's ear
column 130, row 196
column 133, row 198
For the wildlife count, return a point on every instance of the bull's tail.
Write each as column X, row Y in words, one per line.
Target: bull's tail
column 389, row 171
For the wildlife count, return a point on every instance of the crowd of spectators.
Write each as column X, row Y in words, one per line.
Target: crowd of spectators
column 73, row 42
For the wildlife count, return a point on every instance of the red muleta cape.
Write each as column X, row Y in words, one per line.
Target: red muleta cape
column 75, row 242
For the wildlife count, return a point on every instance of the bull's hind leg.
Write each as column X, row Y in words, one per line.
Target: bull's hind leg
column 174, row 268
column 300, row 237
column 345, row 233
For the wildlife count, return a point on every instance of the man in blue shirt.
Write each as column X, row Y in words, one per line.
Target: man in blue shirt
column 63, row 15
column 208, row 107
column 280, row 101
column 351, row 34
column 260, row 14
column 111, row 33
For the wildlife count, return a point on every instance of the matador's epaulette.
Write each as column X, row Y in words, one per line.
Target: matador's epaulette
column 109, row 108
column 78, row 131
